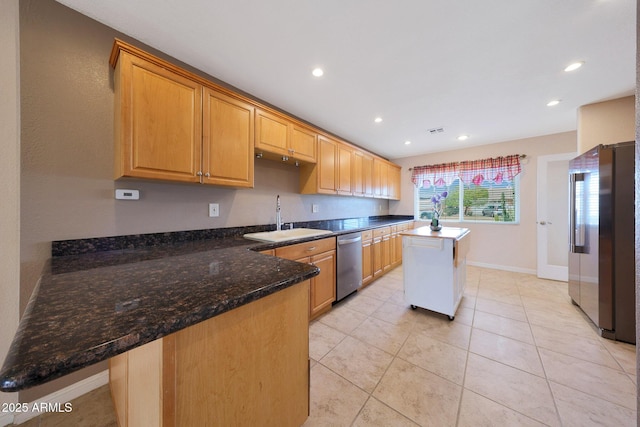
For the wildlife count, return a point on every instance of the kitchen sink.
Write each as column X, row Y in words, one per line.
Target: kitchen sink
column 284, row 235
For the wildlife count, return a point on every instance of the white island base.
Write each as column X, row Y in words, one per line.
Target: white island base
column 435, row 268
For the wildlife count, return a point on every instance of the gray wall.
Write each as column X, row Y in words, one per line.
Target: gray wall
column 67, row 158
column 9, row 182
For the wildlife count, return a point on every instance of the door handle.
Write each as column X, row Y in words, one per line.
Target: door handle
column 542, row 223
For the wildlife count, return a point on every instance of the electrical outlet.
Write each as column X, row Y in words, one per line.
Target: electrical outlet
column 315, row 208
column 214, row 210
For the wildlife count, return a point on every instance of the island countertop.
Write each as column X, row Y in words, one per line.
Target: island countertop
column 80, row 316
column 99, row 297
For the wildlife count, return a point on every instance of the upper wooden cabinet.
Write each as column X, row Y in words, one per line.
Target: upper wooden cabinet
column 173, row 125
column 170, row 124
column 158, row 122
column 394, row 175
column 343, row 170
column 277, row 137
column 320, row 178
column 227, row 143
column 362, row 172
column 333, row 172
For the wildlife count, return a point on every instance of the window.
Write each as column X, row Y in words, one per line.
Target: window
column 486, row 202
column 479, row 191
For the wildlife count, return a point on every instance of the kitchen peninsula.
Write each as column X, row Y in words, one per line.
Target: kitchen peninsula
column 182, row 302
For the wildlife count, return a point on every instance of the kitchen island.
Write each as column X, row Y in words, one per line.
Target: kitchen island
column 434, row 268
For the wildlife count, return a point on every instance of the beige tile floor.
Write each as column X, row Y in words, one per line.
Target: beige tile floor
column 517, row 354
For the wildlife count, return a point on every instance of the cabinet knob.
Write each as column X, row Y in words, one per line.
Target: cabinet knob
column 207, row 174
column 199, row 173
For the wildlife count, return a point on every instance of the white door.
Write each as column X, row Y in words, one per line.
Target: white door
column 553, row 216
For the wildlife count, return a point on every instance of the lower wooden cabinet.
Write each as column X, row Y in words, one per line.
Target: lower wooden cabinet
column 381, row 250
column 367, row 257
column 321, row 253
column 248, row 366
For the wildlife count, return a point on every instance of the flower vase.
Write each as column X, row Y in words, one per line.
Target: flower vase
column 435, row 225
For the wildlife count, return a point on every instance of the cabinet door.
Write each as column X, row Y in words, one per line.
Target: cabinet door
column 303, row 144
column 367, row 261
column 344, row 169
column 377, row 256
column 327, row 153
column 386, row 252
column 271, row 133
column 357, row 182
column 227, row 144
column 323, row 286
column 367, row 175
column 394, row 182
column 377, row 178
column 158, row 122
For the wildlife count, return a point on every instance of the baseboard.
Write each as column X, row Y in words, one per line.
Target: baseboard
column 64, row 395
column 6, row 419
column 502, row 267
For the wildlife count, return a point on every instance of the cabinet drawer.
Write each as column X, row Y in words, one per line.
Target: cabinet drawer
column 367, row 235
column 379, row 232
column 306, row 249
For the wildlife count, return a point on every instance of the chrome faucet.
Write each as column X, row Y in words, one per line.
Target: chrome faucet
column 278, row 217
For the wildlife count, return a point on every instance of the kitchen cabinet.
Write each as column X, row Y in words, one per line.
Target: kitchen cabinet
column 362, row 174
column 280, row 138
column 380, row 175
column 227, row 140
column 393, row 182
column 378, row 250
column 170, row 125
column 367, row 257
column 343, row 170
column 333, row 172
column 321, row 253
column 173, row 125
column 247, row 366
column 158, row 121
column 321, row 178
column 396, row 242
column 386, row 249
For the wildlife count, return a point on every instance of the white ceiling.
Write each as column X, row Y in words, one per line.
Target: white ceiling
column 483, row 68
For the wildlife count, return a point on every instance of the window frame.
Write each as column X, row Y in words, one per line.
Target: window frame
column 461, row 219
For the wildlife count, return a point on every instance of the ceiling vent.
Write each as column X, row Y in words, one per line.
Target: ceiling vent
column 434, row 131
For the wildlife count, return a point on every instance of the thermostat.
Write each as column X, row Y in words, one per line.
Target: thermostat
column 127, row 194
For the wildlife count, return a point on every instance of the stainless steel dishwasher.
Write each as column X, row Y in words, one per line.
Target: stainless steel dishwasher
column 349, row 264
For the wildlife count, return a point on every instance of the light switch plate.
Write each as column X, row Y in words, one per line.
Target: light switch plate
column 214, row 210
column 315, row 208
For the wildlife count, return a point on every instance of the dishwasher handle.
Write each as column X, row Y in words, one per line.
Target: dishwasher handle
column 348, row 241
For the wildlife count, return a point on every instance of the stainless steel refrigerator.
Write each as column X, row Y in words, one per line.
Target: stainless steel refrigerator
column 601, row 254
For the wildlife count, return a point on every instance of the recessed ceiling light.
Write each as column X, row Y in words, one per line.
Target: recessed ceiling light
column 553, row 103
column 574, row 66
column 463, row 137
column 317, row 72
column 407, row 142
column 377, row 119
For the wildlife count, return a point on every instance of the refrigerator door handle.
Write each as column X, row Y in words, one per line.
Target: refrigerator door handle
column 576, row 211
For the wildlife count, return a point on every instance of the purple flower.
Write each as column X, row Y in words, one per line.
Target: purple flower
column 444, row 194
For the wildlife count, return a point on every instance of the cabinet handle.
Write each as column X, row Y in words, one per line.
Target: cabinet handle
column 207, row 174
column 199, row 173
column 312, row 248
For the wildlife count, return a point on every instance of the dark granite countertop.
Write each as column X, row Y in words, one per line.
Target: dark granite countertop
column 100, row 297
